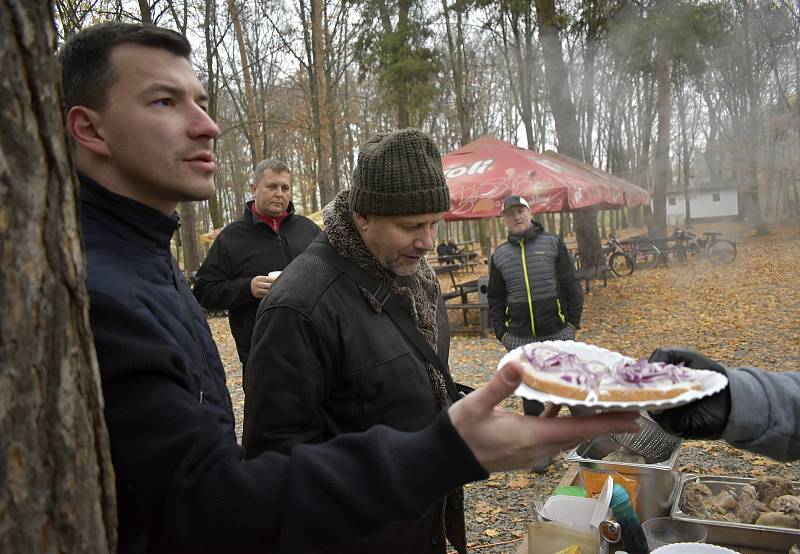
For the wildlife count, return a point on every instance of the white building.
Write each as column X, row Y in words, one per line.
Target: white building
column 704, row 203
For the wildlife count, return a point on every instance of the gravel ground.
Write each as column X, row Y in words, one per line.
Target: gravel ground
column 743, row 314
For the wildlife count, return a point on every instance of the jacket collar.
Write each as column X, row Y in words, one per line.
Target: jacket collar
column 250, row 217
column 137, row 223
column 530, row 233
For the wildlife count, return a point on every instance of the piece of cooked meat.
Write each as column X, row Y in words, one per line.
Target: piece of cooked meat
column 725, row 501
column 778, row 519
column 749, row 508
column 697, row 500
column 770, row 488
column 788, row 504
column 626, row 456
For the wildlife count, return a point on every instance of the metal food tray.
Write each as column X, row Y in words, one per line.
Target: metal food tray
column 658, row 482
column 743, row 535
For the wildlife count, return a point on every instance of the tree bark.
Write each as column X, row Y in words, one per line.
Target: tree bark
column 212, row 88
column 144, row 11
column 565, row 117
column 455, row 50
column 191, row 247
column 252, row 116
column 58, row 482
column 658, row 223
column 322, row 126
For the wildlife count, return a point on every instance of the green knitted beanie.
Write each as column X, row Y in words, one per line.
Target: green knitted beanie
column 399, row 173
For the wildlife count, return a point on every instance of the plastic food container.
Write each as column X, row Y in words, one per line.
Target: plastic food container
column 573, row 511
column 661, row 531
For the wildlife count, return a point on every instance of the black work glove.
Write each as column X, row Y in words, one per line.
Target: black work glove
column 703, row 419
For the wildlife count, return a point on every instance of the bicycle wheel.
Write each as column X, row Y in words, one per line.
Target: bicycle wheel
column 722, row 252
column 620, row 264
column 647, row 256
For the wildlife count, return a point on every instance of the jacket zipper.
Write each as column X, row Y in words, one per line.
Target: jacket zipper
column 527, row 287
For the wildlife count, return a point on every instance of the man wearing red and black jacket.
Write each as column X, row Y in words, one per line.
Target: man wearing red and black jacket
column 235, row 274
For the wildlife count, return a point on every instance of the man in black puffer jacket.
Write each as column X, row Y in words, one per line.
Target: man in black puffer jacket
column 533, row 293
column 235, row 274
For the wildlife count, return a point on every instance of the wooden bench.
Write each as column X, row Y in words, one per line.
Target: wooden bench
column 587, row 274
column 598, row 270
column 451, row 270
column 483, row 317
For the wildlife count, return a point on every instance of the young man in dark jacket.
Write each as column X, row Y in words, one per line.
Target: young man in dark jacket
column 235, row 274
column 533, row 293
column 182, row 485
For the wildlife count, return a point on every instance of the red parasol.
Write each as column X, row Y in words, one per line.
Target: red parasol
column 484, row 172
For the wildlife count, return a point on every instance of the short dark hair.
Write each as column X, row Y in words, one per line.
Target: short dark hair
column 86, row 70
column 270, row 164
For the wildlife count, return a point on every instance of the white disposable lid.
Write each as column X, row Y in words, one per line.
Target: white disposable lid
column 603, row 502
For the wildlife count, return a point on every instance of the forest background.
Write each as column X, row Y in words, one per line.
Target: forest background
column 663, row 93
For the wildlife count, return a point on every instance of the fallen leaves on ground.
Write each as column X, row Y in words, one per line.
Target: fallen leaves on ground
column 745, row 314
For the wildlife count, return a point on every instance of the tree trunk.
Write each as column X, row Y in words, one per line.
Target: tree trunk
column 252, row 116
column 685, row 152
column 658, row 223
column 191, row 248
column 58, row 482
column 209, row 26
column 321, row 88
column 566, row 121
column 455, row 50
column 144, row 11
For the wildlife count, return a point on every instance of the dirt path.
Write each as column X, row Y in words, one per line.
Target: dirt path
column 744, row 314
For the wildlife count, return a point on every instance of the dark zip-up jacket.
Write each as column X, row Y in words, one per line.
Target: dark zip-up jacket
column 533, row 290
column 182, row 484
column 246, row 248
column 326, row 363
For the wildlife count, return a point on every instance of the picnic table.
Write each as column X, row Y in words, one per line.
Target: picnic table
column 463, row 291
column 465, row 260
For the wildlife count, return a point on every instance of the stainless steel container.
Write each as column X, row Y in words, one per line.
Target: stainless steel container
column 742, row 535
column 657, row 482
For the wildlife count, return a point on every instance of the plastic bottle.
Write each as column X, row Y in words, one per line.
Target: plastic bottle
column 633, row 538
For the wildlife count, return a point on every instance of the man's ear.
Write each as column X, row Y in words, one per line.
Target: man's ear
column 362, row 221
column 83, row 126
column 253, row 188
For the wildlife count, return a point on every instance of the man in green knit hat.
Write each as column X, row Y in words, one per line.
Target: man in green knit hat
column 328, row 355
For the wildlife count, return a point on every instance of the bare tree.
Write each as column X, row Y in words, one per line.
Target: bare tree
column 252, row 115
column 564, row 115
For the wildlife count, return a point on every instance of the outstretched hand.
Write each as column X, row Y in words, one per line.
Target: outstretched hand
column 502, row 440
column 703, row 419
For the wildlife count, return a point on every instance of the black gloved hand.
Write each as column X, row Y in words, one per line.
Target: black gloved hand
column 703, row 419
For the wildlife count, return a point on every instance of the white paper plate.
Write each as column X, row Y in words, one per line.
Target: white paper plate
column 711, row 382
column 692, row 548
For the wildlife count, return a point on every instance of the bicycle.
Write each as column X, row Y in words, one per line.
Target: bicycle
column 618, row 260
column 612, row 257
column 715, row 250
column 646, row 255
